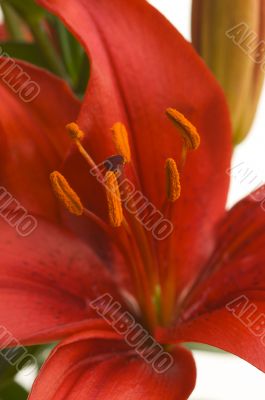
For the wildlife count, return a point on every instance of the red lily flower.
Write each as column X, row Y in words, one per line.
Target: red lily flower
column 139, row 67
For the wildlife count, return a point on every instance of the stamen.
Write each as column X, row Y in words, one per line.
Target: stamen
column 74, row 131
column 66, row 194
column 172, row 180
column 77, row 135
column 121, row 141
column 113, row 199
column 187, row 130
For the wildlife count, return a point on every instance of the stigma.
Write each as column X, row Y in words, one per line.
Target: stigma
column 74, row 131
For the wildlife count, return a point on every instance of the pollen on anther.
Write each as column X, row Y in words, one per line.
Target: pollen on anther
column 66, row 194
column 74, row 131
column 172, row 180
column 113, row 199
column 121, row 141
column 186, row 128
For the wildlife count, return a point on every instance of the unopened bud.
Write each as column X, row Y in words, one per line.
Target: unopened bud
column 230, row 37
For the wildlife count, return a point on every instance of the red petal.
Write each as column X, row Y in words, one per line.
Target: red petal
column 234, row 279
column 47, row 281
column 237, row 263
column 90, row 367
column 244, row 336
column 140, row 65
column 33, row 138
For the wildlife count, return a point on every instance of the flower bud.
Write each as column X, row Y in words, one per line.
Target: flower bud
column 230, row 37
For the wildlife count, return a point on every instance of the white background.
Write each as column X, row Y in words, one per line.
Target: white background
column 221, row 376
column 225, row 377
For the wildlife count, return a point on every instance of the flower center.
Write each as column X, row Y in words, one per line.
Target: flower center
column 141, row 251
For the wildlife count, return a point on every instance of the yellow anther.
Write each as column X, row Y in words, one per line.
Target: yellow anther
column 74, row 131
column 187, row 130
column 66, row 194
column 121, row 141
column 113, row 199
column 172, row 180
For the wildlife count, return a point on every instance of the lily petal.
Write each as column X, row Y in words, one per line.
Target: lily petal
column 33, row 139
column 226, row 308
column 47, row 281
column 97, row 368
column 234, row 328
column 137, row 72
column 237, row 262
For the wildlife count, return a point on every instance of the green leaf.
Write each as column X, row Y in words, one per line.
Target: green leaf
column 67, row 60
column 9, row 371
column 73, row 55
column 12, row 22
column 24, row 51
column 26, row 8
column 33, row 16
column 13, row 391
column 83, row 77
